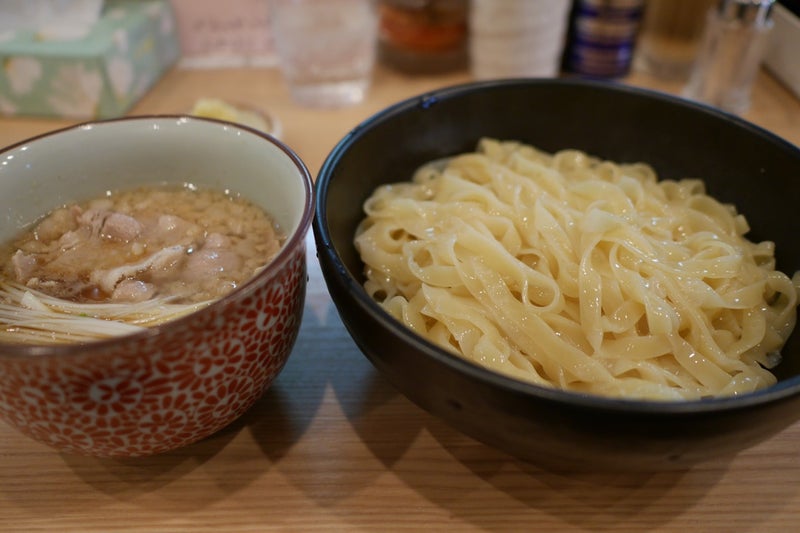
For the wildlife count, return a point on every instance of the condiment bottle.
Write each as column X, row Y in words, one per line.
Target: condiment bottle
column 731, row 53
column 602, row 37
column 423, row 36
column 670, row 36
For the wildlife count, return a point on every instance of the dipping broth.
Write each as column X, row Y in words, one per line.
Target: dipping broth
column 180, row 247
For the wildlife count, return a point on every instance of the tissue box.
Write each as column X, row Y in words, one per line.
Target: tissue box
column 98, row 76
column 216, row 34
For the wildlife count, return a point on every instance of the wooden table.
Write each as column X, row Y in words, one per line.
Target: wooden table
column 333, row 447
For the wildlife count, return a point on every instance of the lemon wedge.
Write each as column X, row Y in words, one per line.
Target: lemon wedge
column 221, row 110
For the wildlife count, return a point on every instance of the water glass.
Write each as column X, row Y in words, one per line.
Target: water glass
column 326, row 49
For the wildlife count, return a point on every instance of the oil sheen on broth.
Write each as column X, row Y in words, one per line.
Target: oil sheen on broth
column 181, row 244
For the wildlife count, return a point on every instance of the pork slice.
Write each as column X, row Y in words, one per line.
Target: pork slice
column 121, row 227
column 108, row 279
column 111, row 224
column 94, row 219
column 55, row 225
column 176, row 227
column 71, row 239
column 171, row 230
column 133, row 290
column 216, row 240
column 208, row 262
column 24, row 266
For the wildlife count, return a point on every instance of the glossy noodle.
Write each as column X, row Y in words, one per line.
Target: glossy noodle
column 572, row 272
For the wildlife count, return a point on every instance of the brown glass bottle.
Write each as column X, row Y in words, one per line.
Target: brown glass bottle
column 423, row 36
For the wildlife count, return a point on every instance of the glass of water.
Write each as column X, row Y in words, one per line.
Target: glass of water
column 326, row 49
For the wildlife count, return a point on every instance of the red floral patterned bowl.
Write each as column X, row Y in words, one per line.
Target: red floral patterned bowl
column 176, row 383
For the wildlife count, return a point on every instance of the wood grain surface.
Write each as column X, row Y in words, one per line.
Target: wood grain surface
column 333, row 447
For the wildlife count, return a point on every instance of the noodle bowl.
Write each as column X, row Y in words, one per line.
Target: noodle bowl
column 739, row 164
column 577, row 273
column 170, row 382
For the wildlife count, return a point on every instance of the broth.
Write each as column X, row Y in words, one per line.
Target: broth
column 185, row 245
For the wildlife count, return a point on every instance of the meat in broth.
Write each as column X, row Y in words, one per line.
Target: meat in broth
column 186, row 244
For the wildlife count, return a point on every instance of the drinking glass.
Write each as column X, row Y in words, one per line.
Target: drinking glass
column 326, row 48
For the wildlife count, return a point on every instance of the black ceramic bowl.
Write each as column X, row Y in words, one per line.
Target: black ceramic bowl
column 740, row 163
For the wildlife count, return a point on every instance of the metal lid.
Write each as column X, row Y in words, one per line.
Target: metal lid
column 750, row 12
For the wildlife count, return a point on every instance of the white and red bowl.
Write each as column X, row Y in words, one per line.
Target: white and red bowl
column 176, row 383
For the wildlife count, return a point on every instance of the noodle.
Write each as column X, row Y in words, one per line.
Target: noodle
column 572, row 272
column 128, row 260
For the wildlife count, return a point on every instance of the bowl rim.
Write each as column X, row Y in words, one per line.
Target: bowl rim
column 781, row 390
column 243, row 291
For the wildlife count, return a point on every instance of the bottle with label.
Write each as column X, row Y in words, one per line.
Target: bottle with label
column 423, row 36
column 602, row 37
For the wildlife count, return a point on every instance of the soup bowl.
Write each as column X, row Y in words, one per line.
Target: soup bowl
column 171, row 384
column 740, row 163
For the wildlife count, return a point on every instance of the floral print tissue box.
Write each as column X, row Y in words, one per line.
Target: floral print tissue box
column 100, row 75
